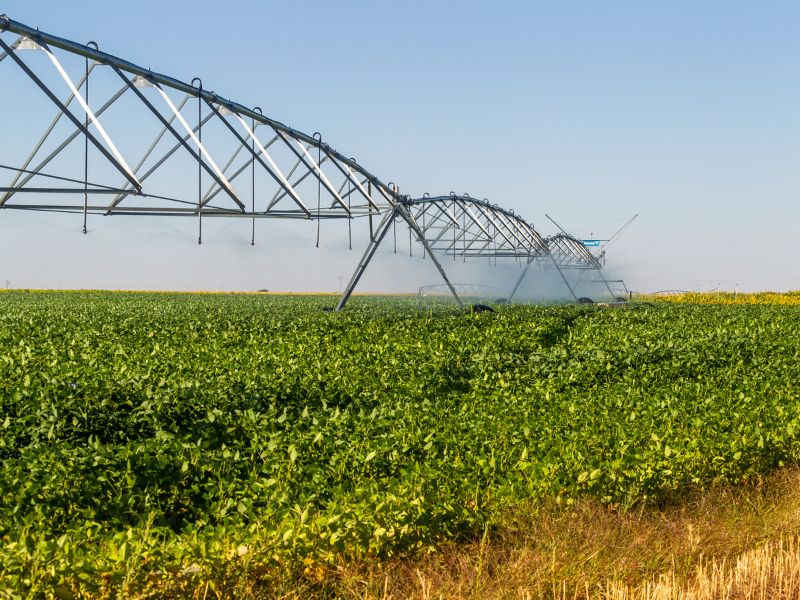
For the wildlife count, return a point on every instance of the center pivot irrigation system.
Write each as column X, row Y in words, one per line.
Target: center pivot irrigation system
column 175, row 136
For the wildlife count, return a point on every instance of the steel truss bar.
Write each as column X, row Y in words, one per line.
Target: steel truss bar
column 348, row 173
column 216, row 189
column 372, row 206
column 280, row 194
column 180, row 144
column 445, row 228
column 449, row 225
column 496, row 228
column 467, row 249
column 213, row 186
column 565, row 246
column 95, row 121
column 189, row 211
column 528, row 233
column 574, row 245
column 520, row 278
column 409, row 218
column 69, row 139
column 383, row 228
column 474, row 218
column 578, row 250
column 437, row 223
column 512, row 229
column 120, row 166
column 448, row 213
column 152, row 146
column 46, row 134
column 313, row 168
column 573, row 248
column 436, row 217
column 4, row 54
column 390, row 196
column 460, row 235
column 272, row 168
column 212, row 169
column 465, row 211
column 510, row 236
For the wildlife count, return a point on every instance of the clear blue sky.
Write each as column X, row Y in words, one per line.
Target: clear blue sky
column 687, row 113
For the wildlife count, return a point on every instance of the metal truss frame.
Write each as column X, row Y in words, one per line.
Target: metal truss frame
column 465, row 227
column 453, row 225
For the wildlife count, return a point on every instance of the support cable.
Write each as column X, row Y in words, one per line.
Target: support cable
column 350, row 220
column 59, row 177
column 424, row 229
column 464, row 227
column 455, row 231
column 200, row 160
column 86, row 145
column 253, row 184
column 318, row 136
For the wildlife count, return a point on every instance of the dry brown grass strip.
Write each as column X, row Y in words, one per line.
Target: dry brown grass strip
column 728, row 542
column 771, row 571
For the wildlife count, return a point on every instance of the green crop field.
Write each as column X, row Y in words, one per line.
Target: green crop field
column 159, row 443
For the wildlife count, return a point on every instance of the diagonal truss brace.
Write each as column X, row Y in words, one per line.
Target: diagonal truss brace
column 348, row 173
column 272, row 168
column 19, row 182
column 157, row 165
column 149, row 150
column 385, row 225
column 120, row 164
column 274, row 171
column 44, row 137
column 527, row 268
column 281, row 193
column 412, row 223
column 304, row 157
column 85, row 106
column 212, row 169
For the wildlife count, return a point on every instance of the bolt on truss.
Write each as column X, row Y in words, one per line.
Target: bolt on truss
column 147, row 132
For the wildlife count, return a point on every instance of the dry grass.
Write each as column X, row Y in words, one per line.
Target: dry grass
column 771, row 570
column 728, row 542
